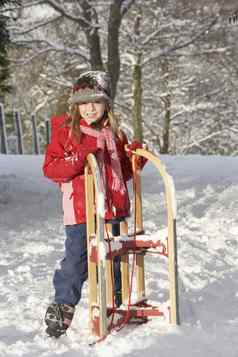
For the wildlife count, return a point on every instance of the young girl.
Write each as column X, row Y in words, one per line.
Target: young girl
column 89, row 128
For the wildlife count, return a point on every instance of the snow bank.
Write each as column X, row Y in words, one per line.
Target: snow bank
column 32, row 241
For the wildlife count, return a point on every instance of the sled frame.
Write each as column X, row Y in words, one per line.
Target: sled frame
column 100, row 264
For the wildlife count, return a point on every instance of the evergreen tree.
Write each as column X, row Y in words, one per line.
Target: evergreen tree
column 4, row 43
column 4, row 40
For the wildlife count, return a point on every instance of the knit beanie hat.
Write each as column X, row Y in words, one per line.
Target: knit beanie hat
column 91, row 86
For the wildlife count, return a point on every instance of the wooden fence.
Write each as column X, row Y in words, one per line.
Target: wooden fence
column 19, row 133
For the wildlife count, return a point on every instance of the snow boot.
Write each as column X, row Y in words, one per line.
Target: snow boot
column 58, row 318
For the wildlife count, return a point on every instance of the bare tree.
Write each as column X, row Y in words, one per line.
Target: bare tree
column 179, row 56
column 84, row 45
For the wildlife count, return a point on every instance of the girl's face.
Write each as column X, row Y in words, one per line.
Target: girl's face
column 92, row 111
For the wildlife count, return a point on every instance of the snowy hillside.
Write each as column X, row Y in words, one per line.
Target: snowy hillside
column 32, row 238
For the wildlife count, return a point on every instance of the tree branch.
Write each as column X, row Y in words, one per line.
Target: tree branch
column 79, row 19
column 182, row 45
column 35, row 27
column 153, row 35
column 197, row 143
column 54, row 47
column 28, row 60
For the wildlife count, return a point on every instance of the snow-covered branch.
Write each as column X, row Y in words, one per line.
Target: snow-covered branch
column 234, row 130
column 166, row 52
column 31, row 3
column 52, row 46
column 33, row 28
column 153, row 35
column 63, row 11
column 28, row 60
column 199, row 142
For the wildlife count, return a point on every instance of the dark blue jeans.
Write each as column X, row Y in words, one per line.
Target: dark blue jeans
column 69, row 278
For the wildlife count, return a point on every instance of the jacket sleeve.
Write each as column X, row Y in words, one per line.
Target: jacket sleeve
column 62, row 165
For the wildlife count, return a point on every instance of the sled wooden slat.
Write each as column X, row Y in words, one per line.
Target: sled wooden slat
column 137, row 201
column 124, row 266
column 98, row 202
column 140, row 276
column 92, row 268
column 109, row 281
column 140, row 270
column 171, row 222
column 109, row 268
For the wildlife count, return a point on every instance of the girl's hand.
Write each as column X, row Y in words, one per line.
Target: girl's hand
column 133, row 146
column 79, row 157
column 129, row 148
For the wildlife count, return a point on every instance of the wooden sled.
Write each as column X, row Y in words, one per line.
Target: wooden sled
column 102, row 248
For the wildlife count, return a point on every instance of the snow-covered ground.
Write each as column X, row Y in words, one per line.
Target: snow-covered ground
column 32, row 239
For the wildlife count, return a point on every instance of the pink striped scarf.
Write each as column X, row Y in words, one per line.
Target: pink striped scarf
column 106, row 139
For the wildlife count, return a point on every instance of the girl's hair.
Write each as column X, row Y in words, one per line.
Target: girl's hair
column 73, row 121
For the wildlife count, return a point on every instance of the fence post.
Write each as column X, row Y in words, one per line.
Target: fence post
column 35, row 141
column 47, row 131
column 18, row 126
column 4, row 146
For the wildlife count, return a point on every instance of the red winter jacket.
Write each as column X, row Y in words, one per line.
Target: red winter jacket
column 61, row 167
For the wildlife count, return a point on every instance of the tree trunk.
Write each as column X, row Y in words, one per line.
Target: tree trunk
column 18, row 124
column 166, row 129
column 137, row 94
column 4, row 145
column 92, row 37
column 95, row 50
column 35, row 140
column 113, row 45
column 47, row 131
column 165, row 147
